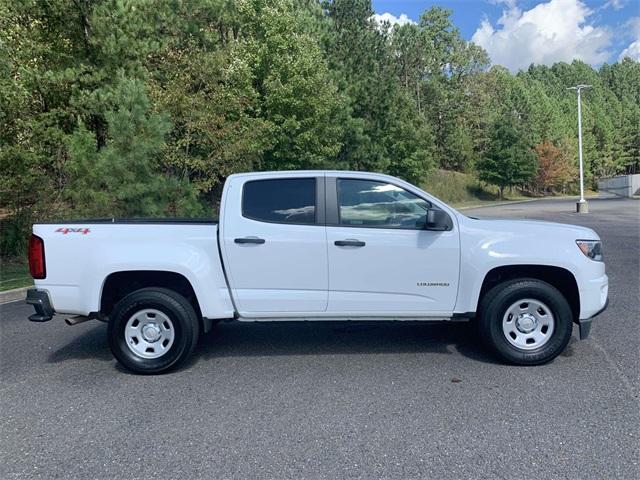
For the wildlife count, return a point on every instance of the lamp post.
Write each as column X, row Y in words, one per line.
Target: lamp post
column 582, row 206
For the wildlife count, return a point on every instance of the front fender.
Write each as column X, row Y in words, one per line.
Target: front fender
column 487, row 244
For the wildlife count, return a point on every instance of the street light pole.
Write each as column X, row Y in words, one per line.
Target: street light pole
column 582, row 206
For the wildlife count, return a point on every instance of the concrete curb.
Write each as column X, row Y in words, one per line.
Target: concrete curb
column 14, row 295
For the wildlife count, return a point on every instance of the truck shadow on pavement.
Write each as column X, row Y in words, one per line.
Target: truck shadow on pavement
column 235, row 339
column 340, row 338
column 90, row 344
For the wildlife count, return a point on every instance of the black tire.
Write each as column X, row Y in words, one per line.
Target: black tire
column 176, row 308
column 494, row 305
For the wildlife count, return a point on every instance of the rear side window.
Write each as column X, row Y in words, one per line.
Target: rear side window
column 285, row 200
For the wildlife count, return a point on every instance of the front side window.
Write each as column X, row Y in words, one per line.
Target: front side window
column 365, row 203
column 285, row 200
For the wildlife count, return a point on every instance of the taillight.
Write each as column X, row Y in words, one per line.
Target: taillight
column 37, row 267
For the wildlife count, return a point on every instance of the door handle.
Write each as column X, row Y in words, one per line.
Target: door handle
column 349, row 243
column 256, row 240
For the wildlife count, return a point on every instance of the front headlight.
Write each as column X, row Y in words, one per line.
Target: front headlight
column 591, row 248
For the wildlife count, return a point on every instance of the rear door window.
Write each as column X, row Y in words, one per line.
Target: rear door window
column 284, row 200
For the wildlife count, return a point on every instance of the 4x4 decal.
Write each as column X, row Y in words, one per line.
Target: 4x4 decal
column 65, row 230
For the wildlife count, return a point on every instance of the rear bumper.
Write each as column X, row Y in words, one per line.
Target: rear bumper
column 42, row 305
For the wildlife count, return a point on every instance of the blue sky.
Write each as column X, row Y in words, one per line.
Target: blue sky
column 516, row 33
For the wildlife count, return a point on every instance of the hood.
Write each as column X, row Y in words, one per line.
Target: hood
column 531, row 227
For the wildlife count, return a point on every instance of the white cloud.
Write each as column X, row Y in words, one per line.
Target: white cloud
column 615, row 4
column 555, row 31
column 633, row 50
column 633, row 24
column 508, row 3
column 403, row 19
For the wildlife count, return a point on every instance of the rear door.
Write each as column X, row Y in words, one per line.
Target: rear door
column 381, row 260
column 274, row 244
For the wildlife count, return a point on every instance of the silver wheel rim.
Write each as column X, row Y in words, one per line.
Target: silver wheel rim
column 149, row 333
column 528, row 324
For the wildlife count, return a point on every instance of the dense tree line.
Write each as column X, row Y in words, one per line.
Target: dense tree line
column 123, row 107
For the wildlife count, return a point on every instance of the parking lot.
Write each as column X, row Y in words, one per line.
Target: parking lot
column 323, row 400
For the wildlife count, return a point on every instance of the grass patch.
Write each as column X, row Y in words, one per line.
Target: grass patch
column 14, row 273
column 463, row 189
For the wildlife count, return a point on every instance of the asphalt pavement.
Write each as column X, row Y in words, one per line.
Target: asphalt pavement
column 322, row 400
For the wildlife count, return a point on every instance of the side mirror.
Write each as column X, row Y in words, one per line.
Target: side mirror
column 437, row 220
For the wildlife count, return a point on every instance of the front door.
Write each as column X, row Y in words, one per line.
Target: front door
column 381, row 260
column 275, row 246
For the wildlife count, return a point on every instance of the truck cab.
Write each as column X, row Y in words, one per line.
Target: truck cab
column 348, row 245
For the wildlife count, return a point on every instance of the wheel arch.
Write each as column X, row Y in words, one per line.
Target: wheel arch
column 118, row 285
column 558, row 277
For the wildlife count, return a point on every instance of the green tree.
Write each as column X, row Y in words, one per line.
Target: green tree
column 435, row 66
column 384, row 129
column 200, row 77
column 122, row 178
column 509, row 160
column 297, row 96
column 359, row 55
column 409, row 141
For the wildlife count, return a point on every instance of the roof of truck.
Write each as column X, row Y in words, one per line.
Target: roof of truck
column 311, row 172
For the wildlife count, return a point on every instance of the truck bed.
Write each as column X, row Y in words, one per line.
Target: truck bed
column 81, row 255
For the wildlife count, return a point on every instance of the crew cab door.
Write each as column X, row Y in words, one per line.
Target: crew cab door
column 274, row 243
column 382, row 262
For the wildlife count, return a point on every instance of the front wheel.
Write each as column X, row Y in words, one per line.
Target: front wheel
column 526, row 322
column 152, row 330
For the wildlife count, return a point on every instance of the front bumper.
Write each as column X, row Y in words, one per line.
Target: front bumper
column 585, row 323
column 594, row 298
column 41, row 303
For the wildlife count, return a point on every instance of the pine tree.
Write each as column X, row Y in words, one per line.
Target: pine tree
column 509, row 161
column 123, row 177
column 297, row 95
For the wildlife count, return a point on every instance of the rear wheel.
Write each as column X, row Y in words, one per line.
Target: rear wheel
column 152, row 330
column 526, row 322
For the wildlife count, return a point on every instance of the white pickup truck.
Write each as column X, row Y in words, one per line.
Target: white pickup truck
column 318, row 245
